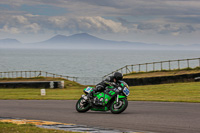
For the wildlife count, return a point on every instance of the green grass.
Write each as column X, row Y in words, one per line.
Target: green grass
column 164, row 70
column 26, row 128
column 67, row 83
column 31, row 94
column 176, row 92
column 158, row 73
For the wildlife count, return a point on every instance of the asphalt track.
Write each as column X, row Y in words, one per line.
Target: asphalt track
column 159, row 117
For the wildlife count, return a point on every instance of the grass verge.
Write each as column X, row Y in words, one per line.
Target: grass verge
column 176, row 92
column 163, row 73
column 67, row 83
column 26, row 128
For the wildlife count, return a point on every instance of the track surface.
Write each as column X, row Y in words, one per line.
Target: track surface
column 143, row 116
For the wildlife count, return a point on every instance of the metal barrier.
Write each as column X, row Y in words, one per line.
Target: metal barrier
column 33, row 74
column 159, row 66
column 145, row 67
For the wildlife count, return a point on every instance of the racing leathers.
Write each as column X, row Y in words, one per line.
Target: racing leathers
column 100, row 87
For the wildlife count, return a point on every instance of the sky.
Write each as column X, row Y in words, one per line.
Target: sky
column 165, row 22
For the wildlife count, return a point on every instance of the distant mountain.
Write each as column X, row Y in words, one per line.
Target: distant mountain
column 87, row 41
column 76, row 38
column 9, row 41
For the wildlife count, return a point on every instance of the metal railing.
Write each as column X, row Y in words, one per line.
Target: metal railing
column 159, row 66
column 33, row 74
column 145, row 67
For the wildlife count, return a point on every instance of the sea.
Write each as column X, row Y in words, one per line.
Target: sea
column 85, row 64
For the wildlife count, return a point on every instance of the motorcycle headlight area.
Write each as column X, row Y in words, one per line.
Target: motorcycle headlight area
column 119, row 88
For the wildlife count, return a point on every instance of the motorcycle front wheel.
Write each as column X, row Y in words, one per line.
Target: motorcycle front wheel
column 119, row 107
column 82, row 105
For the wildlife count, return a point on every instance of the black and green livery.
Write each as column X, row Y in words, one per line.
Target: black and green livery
column 114, row 98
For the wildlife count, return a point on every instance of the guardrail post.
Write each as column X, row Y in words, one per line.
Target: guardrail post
column 46, row 74
column 169, row 65
column 139, row 67
column 178, row 64
column 161, row 67
column 188, row 63
column 132, row 68
column 146, row 67
column 199, row 62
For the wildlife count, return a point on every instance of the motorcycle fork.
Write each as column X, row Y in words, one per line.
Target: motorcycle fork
column 117, row 98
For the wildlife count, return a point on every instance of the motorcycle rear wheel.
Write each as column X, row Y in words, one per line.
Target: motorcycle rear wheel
column 117, row 108
column 82, row 106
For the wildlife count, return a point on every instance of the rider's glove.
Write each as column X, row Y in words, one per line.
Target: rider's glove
column 90, row 95
column 113, row 84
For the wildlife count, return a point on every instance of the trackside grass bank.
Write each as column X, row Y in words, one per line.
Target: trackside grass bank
column 176, row 92
column 26, row 128
column 163, row 73
column 67, row 83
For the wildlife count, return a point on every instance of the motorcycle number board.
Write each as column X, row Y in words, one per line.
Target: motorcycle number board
column 88, row 89
column 126, row 91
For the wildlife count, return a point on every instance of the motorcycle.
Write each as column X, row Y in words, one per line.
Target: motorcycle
column 114, row 98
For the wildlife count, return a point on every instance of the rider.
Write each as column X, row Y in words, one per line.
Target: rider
column 109, row 81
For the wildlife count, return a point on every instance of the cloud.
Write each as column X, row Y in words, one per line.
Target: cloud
column 87, row 24
column 166, row 18
column 18, row 24
column 112, row 7
column 91, row 24
column 20, row 19
column 35, row 24
column 188, row 19
column 12, row 30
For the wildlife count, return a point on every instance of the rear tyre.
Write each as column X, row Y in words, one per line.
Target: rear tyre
column 119, row 107
column 82, row 105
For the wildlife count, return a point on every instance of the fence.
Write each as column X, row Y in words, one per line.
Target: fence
column 145, row 67
column 32, row 74
column 159, row 66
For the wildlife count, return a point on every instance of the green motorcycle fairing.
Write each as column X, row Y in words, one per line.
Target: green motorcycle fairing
column 103, row 97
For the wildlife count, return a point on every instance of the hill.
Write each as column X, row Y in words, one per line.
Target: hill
column 87, row 41
column 10, row 43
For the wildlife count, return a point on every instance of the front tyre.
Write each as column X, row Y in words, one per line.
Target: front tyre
column 119, row 107
column 82, row 105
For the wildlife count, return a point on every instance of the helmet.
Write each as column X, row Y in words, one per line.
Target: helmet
column 118, row 76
